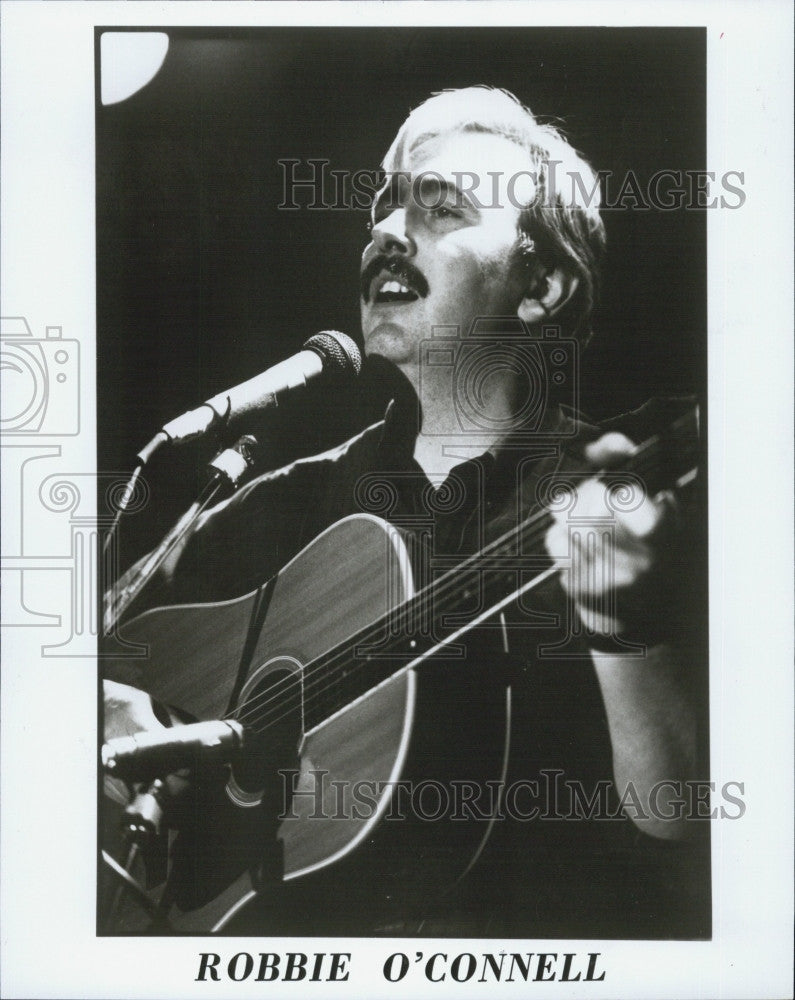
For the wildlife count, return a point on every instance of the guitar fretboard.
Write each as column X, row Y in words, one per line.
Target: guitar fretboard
column 462, row 597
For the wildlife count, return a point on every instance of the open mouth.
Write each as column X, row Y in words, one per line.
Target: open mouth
column 395, row 291
column 392, row 281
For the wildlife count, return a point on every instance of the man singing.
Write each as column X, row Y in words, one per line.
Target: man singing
column 478, row 287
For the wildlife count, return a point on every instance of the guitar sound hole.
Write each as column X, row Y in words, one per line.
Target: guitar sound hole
column 271, row 715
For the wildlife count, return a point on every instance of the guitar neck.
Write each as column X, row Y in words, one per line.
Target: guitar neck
column 432, row 622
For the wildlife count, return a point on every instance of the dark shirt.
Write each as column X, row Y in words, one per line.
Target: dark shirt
column 563, row 872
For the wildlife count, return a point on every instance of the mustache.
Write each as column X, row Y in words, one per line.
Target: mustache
column 402, row 269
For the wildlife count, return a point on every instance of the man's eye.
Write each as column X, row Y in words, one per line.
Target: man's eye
column 445, row 212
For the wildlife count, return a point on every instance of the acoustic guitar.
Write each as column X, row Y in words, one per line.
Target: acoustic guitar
column 344, row 678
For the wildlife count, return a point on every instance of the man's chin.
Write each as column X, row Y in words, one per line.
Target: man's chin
column 390, row 341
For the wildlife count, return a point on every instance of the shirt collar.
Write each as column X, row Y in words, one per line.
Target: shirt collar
column 400, row 428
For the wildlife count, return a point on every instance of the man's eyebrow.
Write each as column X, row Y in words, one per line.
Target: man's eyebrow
column 429, row 188
column 433, row 190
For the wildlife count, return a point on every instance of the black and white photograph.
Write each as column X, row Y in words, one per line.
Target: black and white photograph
column 399, row 581
column 465, row 677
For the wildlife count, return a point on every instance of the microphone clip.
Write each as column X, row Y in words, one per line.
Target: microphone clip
column 233, row 463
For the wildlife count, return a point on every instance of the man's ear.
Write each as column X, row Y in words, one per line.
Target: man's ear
column 550, row 295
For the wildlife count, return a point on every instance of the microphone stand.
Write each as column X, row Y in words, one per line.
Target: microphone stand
column 144, row 815
column 228, row 469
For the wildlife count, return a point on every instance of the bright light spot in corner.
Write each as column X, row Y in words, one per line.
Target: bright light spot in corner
column 128, row 61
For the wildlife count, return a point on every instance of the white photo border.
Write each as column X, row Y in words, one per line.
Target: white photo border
column 49, row 942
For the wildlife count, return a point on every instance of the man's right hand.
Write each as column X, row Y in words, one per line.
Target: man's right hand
column 128, row 710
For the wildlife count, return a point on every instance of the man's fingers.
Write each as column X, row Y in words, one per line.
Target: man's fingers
column 640, row 523
column 622, row 562
column 608, row 450
column 128, row 710
column 622, row 547
column 592, row 503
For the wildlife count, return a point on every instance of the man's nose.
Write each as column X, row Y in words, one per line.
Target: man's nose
column 390, row 235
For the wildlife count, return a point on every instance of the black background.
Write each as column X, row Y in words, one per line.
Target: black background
column 203, row 282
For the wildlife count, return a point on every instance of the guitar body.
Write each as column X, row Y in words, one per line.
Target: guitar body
column 353, row 766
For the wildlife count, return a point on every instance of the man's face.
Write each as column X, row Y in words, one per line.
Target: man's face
column 438, row 256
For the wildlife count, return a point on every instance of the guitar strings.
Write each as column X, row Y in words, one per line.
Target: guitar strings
column 343, row 652
column 423, row 598
column 433, row 591
column 342, row 655
column 308, row 688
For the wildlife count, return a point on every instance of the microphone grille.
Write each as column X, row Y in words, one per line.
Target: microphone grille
column 337, row 351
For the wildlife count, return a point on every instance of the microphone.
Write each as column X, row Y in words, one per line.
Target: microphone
column 152, row 753
column 327, row 353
